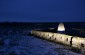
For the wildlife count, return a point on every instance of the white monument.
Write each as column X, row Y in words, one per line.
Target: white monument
column 61, row 28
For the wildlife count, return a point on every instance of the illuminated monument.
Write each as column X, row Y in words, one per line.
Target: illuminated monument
column 61, row 28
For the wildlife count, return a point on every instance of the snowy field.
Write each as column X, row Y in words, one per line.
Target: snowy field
column 15, row 41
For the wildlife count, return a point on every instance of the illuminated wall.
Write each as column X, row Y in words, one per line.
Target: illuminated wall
column 73, row 41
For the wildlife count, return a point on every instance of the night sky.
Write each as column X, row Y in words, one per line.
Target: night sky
column 42, row 10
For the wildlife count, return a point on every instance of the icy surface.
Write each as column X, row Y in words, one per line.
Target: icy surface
column 17, row 42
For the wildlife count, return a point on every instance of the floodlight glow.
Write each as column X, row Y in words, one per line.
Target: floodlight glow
column 61, row 27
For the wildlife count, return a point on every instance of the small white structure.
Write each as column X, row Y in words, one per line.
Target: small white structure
column 61, row 28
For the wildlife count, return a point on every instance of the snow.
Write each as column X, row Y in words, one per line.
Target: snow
column 19, row 43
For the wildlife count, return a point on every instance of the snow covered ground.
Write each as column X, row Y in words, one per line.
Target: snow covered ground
column 13, row 42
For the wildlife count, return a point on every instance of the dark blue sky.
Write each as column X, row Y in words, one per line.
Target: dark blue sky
column 42, row 10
